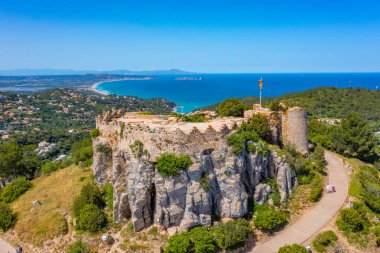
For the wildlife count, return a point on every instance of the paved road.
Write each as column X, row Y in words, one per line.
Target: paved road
column 6, row 247
column 319, row 216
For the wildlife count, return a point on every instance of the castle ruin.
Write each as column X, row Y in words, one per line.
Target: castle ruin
column 144, row 196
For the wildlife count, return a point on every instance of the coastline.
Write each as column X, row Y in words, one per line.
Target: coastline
column 94, row 86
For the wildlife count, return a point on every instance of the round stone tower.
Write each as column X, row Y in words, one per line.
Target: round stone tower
column 294, row 129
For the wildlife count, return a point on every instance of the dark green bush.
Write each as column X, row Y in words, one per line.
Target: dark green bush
column 7, row 217
column 49, row 167
column 232, row 234
column 276, row 106
column 268, row 218
column 107, row 192
column 316, row 188
column 95, row 133
column 15, row 189
column 295, row 248
column 275, row 195
column 90, row 194
column 239, row 139
column 78, row 247
column 231, row 107
column 350, row 220
column 260, row 125
column 82, row 151
column 324, row 239
column 179, row 243
column 170, row 165
column 91, row 218
column 199, row 117
column 198, row 240
column 376, row 232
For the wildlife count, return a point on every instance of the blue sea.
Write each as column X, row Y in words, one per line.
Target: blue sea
column 209, row 89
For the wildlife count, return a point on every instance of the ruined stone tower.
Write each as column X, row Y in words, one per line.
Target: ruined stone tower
column 294, row 129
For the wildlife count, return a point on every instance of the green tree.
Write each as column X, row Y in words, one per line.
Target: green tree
column 260, row 124
column 91, row 218
column 15, row 189
column 232, row 234
column 359, row 138
column 268, row 218
column 7, row 217
column 231, row 107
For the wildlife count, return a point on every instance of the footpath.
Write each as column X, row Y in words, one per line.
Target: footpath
column 319, row 216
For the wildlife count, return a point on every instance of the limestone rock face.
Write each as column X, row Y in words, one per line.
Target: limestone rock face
column 262, row 192
column 99, row 165
column 217, row 184
column 285, row 177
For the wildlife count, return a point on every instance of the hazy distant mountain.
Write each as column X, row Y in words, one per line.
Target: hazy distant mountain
column 35, row 72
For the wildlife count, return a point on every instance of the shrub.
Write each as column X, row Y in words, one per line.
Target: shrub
column 170, row 165
column 104, row 149
column 276, row 106
column 137, row 148
column 376, row 232
column 324, row 239
column 7, row 217
column 231, row 107
column 91, row 218
column 122, row 127
column 107, row 192
column 82, row 151
column 15, row 189
column 232, row 234
column 205, row 181
column 198, row 240
column 239, row 139
column 78, row 247
column 179, row 243
column 268, row 218
column 95, row 133
column 295, row 248
column 90, row 194
column 350, row 220
column 198, row 117
column 260, row 124
column 316, row 188
column 275, row 195
column 49, row 167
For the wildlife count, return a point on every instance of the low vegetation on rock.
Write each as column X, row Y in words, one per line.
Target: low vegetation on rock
column 171, row 165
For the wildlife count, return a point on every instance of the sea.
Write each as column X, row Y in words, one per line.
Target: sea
column 194, row 91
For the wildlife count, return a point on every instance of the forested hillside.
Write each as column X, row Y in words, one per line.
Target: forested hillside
column 329, row 102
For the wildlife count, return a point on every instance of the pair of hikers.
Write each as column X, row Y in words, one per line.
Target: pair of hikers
column 19, row 249
column 330, row 188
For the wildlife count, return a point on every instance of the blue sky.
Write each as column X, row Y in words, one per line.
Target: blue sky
column 202, row 36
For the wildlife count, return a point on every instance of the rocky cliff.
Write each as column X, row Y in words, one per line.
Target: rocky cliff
column 218, row 184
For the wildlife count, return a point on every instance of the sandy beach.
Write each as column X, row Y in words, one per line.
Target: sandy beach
column 105, row 93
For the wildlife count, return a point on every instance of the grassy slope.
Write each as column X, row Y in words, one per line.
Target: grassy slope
column 56, row 193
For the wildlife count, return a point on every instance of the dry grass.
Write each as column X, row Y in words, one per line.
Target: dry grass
column 56, row 192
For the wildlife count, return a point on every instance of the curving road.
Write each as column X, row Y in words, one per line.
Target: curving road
column 319, row 216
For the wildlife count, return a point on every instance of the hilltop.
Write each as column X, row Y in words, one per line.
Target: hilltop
column 329, row 102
